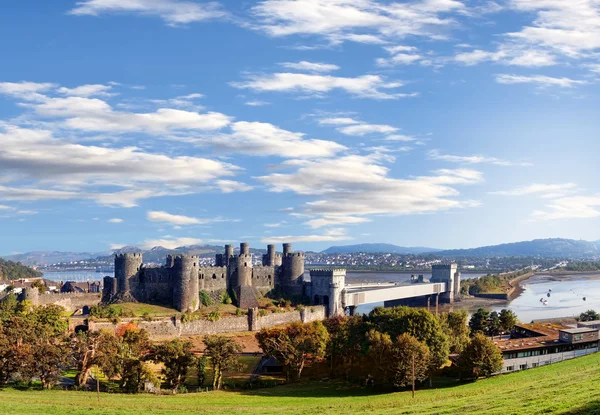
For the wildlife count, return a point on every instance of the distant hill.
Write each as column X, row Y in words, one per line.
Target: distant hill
column 544, row 248
column 378, row 248
column 10, row 270
column 52, row 257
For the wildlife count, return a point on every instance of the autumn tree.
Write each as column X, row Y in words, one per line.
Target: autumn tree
column 295, row 345
column 481, row 358
column 177, row 357
column 408, row 353
column 201, row 365
column 223, row 353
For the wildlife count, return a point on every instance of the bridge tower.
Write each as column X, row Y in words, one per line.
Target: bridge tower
column 447, row 273
column 326, row 286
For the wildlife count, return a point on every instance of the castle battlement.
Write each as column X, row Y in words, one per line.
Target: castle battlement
column 179, row 281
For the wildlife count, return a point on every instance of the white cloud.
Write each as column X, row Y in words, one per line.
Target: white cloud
column 231, row 186
column 364, row 129
column 359, row 186
column 264, row 139
column 329, row 235
column 256, row 103
column 25, row 90
column 169, row 243
column 338, row 121
column 365, row 86
column 87, row 91
column 310, row 66
column 115, row 220
column 164, row 217
column 573, row 207
column 65, row 170
column 476, row 159
column 364, row 21
column 173, row 12
column 4, row 207
column 400, row 137
column 540, row 80
column 508, row 55
column 538, row 188
column 335, row 220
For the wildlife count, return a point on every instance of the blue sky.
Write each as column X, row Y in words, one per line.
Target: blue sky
column 443, row 123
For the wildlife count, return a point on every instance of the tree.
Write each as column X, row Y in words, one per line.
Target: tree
column 177, row 357
column 409, row 353
column 456, row 328
column 50, row 359
column 481, row 358
column 508, row 319
column 295, row 346
column 380, row 356
column 223, row 353
column 39, row 284
column 85, row 347
column 589, row 315
column 479, row 321
column 201, row 364
column 420, row 324
column 346, row 341
column 494, row 324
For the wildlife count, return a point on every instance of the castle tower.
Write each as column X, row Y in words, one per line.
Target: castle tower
column 186, row 294
column 269, row 257
column 292, row 271
column 126, row 268
column 326, row 288
column 31, row 294
column 170, row 261
column 228, row 254
column 244, row 266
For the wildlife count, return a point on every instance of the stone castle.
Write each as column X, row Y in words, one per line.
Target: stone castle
column 178, row 283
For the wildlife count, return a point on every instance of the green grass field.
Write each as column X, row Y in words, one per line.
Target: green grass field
column 571, row 387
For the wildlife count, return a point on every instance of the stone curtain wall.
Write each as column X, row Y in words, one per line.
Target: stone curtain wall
column 173, row 327
column 70, row 301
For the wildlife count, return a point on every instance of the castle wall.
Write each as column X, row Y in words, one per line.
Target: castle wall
column 263, row 277
column 173, row 327
column 155, row 286
column 70, row 301
column 213, row 278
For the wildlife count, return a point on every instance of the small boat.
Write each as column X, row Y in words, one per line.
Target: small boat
column 548, row 294
column 583, row 298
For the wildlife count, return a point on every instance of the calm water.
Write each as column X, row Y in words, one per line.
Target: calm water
column 77, row 275
column 566, row 297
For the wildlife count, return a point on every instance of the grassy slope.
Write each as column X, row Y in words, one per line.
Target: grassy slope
column 565, row 388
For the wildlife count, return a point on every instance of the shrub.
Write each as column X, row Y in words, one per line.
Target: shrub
column 225, row 298
column 205, row 299
column 238, row 312
column 213, row 316
column 262, row 312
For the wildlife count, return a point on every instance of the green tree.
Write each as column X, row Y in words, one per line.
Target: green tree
column 407, row 350
column 223, row 353
column 456, row 328
column 494, row 324
column 39, row 284
column 508, row 319
column 380, row 356
column 481, row 358
column 589, row 315
column 479, row 321
column 295, row 345
column 419, row 323
column 50, row 358
column 177, row 357
column 201, row 365
column 346, row 342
